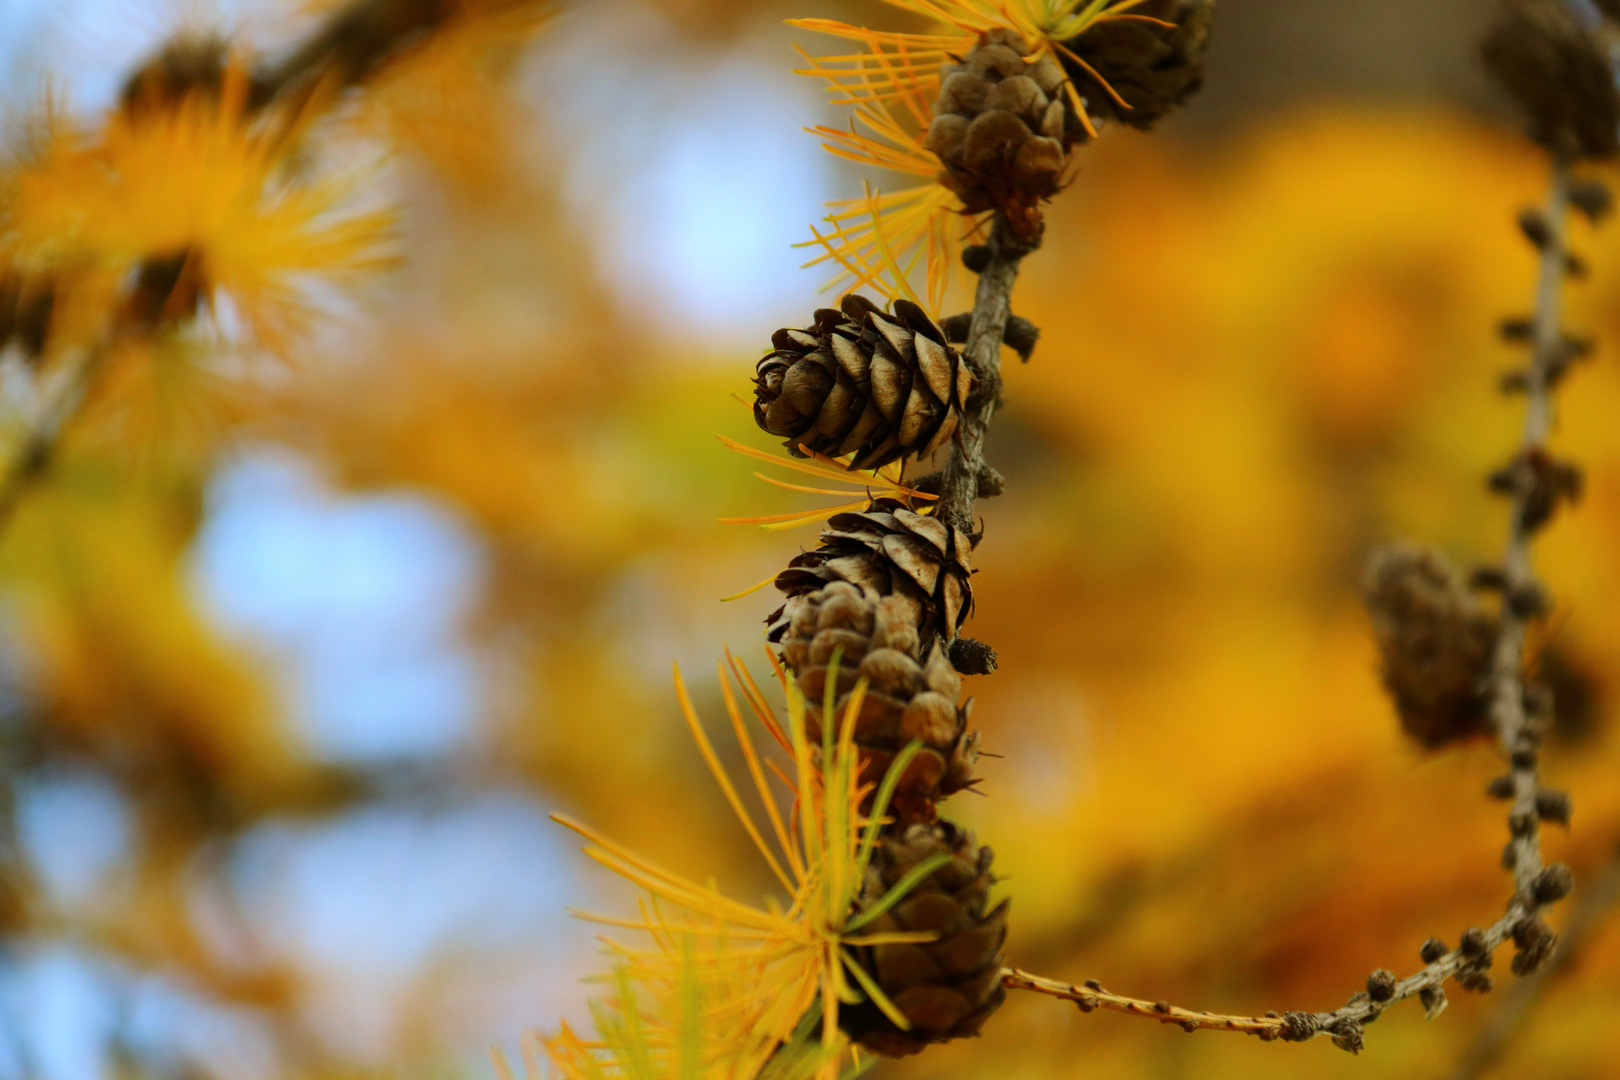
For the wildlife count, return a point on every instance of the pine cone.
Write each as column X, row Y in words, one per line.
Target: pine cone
column 906, row 698
column 1153, row 68
column 865, row 382
column 945, row 988
column 888, row 550
column 1003, row 129
column 1437, row 644
column 1560, row 73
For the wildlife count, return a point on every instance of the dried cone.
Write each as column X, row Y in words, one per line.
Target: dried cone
column 1559, row 72
column 1437, row 644
column 1003, row 129
column 863, row 382
column 888, row 550
column 946, row 988
column 906, row 698
column 1152, row 67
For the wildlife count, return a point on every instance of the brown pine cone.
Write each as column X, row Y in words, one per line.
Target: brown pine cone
column 906, row 697
column 1437, row 644
column 1153, row 68
column 1559, row 72
column 947, row 988
column 889, row 550
column 1003, row 129
column 865, row 382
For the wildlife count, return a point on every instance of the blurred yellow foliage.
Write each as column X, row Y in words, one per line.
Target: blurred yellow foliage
column 1260, row 357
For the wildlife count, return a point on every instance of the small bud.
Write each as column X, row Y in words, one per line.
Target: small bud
column 1021, row 336
column 1488, row 579
column 1432, row 950
column 1510, row 856
column 1528, row 601
column 1538, row 701
column 1521, row 823
column 1591, row 197
column 1475, row 980
column 1500, row 788
column 1535, row 941
column 1577, row 267
column 1517, row 330
column 1533, row 224
column 1540, row 483
column 1553, row 806
column 1523, row 757
column 1473, row 942
column 1093, row 985
column 1189, row 1026
column 1516, row 381
column 1381, row 985
column 1434, row 1001
column 976, row 257
column 1161, row 1006
column 956, row 327
column 1553, row 884
column 1086, row 1004
column 1347, row 1035
column 972, row 657
column 1298, row 1026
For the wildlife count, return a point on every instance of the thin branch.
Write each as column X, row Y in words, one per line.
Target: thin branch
column 1534, row 884
column 1091, row 996
column 1594, row 909
column 992, row 308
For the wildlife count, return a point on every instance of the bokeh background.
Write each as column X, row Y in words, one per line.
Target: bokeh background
column 285, row 704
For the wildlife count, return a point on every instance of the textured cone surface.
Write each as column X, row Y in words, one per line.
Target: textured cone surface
column 946, row 988
column 1003, row 128
column 1559, row 72
column 1153, row 68
column 1437, row 643
column 888, row 550
column 907, row 697
column 864, row 382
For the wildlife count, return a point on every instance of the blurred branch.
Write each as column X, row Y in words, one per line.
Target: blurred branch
column 1536, row 484
column 1590, row 914
column 38, row 444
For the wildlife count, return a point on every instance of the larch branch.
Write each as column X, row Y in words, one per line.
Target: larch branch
column 1596, row 905
column 992, row 308
column 1534, row 884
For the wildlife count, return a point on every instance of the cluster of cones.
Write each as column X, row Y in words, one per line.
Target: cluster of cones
column 880, row 600
column 1009, row 115
column 876, row 604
